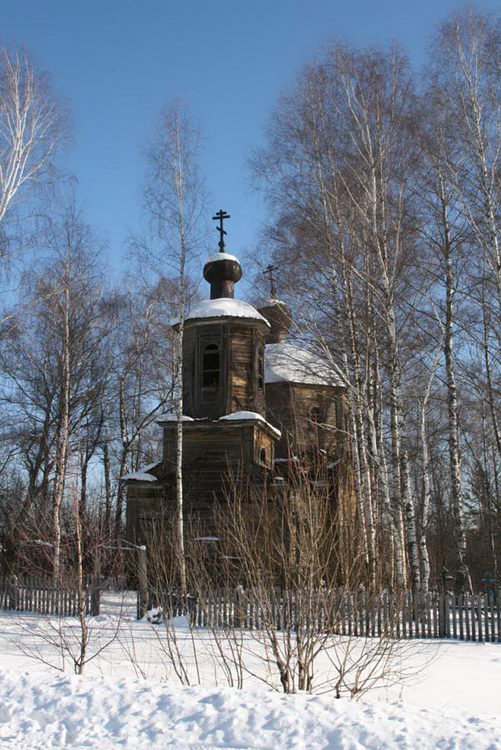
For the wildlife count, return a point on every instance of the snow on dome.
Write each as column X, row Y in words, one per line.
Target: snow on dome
column 143, row 475
column 223, row 307
column 171, row 416
column 273, row 301
column 221, row 256
column 252, row 415
column 291, row 364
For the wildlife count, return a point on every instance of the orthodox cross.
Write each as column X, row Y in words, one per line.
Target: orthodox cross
column 268, row 271
column 221, row 216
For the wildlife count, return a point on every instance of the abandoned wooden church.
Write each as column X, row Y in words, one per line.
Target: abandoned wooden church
column 253, row 403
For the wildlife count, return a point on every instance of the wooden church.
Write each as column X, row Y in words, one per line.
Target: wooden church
column 253, row 403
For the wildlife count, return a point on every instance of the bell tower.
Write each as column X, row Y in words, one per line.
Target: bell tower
column 223, row 344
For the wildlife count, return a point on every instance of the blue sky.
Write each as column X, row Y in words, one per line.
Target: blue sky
column 117, row 62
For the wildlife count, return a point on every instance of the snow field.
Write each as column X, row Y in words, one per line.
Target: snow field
column 130, row 697
column 41, row 711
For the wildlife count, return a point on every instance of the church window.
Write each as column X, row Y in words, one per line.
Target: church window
column 263, row 456
column 210, row 366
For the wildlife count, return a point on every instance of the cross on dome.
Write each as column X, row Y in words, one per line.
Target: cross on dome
column 221, row 216
column 268, row 271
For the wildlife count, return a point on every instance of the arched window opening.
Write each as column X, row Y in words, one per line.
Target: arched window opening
column 315, row 415
column 263, row 457
column 210, row 367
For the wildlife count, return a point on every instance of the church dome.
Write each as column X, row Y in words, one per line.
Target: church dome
column 222, row 271
column 279, row 316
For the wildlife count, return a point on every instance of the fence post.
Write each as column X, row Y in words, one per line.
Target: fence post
column 238, row 610
column 95, row 595
column 442, row 615
column 142, row 571
column 13, row 594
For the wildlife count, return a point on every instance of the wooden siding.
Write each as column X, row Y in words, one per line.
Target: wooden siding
column 241, row 347
column 214, row 453
column 289, row 407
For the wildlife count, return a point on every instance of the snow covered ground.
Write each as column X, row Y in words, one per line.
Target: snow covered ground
column 129, row 697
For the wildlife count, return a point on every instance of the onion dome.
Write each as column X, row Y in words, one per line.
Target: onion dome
column 222, row 271
column 278, row 315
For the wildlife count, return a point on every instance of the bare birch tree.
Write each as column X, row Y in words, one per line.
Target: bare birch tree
column 175, row 198
column 342, row 158
column 31, row 130
column 55, row 371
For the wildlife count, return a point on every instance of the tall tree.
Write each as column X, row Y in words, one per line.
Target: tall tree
column 55, row 369
column 175, row 198
column 461, row 202
column 340, row 170
column 32, row 127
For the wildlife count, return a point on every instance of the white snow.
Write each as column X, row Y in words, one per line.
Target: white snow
column 171, row 416
column 243, row 415
column 206, row 539
column 251, row 415
column 63, row 711
column 272, row 301
column 221, row 256
column 129, row 699
column 142, row 474
column 292, row 364
column 224, row 307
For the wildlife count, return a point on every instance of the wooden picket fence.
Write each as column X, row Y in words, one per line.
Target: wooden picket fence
column 42, row 595
column 437, row 615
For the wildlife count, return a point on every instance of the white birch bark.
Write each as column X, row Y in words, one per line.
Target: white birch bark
column 426, row 501
column 30, row 128
column 175, row 196
column 63, row 433
column 453, row 418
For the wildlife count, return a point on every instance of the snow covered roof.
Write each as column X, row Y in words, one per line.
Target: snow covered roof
column 171, row 416
column 142, row 474
column 221, row 256
column 224, row 307
column 251, row 415
column 243, row 415
column 292, row 364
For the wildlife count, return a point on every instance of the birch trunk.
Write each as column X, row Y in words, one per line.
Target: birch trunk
column 180, row 177
column 63, row 434
column 179, row 444
column 175, row 197
column 463, row 575
column 365, row 489
column 107, row 487
column 425, row 458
